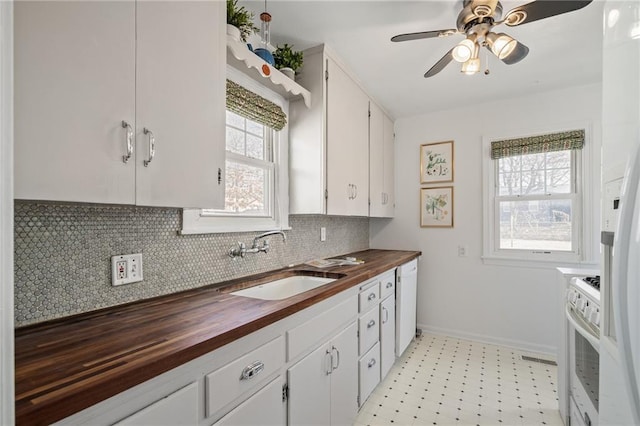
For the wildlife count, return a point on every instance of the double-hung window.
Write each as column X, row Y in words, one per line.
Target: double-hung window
column 256, row 163
column 534, row 208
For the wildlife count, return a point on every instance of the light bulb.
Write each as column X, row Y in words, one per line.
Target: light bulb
column 464, row 50
column 471, row 67
column 501, row 44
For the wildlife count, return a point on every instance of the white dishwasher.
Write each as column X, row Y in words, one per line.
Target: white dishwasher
column 406, row 290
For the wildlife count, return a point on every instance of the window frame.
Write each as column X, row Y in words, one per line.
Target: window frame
column 204, row 221
column 581, row 197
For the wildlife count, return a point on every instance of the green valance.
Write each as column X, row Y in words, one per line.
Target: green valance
column 249, row 105
column 573, row 139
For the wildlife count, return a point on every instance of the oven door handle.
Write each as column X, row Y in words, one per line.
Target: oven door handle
column 584, row 331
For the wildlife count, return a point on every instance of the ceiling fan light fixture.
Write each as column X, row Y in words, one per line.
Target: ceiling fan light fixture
column 501, row 44
column 472, row 66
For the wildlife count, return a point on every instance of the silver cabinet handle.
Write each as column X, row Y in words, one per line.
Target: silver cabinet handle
column 125, row 125
column 371, row 323
column 333, row 348
column 389, row 284
column 371, row 363
column 371, row 296
column 152, row 146
column 386, row 315
column 330, row 368
column 355, row 187
column 252, row 370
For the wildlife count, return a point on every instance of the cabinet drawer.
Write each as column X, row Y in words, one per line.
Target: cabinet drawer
column 243, row 375
column 387, row 284
column 369, row 369
column 179, row 408
column 304, row 336
column 264, row 408
column 369, row 330
column 369, row 296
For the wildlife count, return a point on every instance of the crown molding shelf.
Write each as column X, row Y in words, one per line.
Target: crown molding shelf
column 244, row 60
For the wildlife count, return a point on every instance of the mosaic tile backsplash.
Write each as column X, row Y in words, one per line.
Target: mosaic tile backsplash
column 63, row 254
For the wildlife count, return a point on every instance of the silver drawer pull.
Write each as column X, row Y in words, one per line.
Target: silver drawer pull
column 371, row 323
column 389, row 284
column 252, row 370
column 371, row 296
column 371, row 363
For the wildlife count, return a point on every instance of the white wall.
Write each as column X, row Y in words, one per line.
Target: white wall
column 461, row 296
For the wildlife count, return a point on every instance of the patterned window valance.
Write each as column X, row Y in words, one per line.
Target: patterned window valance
column 573, row 139
column 249, row 105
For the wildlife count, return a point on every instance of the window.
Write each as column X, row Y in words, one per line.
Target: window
column 256, row 166
column 534, row 209
column 249, row 175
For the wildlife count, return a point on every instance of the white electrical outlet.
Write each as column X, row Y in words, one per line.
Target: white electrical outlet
column 462, row 251
column 126, row 269
column 323, row 234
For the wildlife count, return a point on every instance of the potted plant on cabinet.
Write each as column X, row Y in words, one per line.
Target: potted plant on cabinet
column 287, row 60
column 239, row 21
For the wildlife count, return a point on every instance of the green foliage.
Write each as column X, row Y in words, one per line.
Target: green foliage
column 285, row 57
column 241, row 18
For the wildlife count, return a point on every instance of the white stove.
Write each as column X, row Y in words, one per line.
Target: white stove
column 583, row 315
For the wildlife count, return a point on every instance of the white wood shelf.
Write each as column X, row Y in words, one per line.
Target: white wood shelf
column 241, row 58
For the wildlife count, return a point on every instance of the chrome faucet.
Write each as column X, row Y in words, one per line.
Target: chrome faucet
column 242, row 249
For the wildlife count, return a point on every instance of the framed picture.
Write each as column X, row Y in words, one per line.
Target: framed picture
column 436, row 207
column 436, row 162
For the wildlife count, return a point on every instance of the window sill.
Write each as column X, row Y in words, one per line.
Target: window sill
column 193, row 222
column 535, row 263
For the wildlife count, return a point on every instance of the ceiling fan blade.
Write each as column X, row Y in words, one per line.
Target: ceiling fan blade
column 541, row 9
column 519, row 53
column 439, row 66
column 423, row 34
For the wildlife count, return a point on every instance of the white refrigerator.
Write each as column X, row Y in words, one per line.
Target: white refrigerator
column 620, row 332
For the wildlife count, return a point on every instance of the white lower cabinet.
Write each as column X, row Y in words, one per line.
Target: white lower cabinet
column 387, row 335
column 323, row 386
column 267, row 407
column 178, row 408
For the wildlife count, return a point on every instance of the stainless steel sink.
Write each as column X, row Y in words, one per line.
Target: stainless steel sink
column 284, row 287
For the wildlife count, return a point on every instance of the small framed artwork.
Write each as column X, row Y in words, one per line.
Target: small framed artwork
column 436, row 207
column 436, row 162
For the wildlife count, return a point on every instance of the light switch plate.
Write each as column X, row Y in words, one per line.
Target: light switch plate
column 126, row 269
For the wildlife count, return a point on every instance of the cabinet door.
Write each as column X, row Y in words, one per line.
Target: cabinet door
column 180, row 95
column 387, row 335
column 74, row 82
column 264, row 408
column 344, row 378
column 347, row 145
column 179, row 408
column 376, row 161
column 310, row 389
column 389, row 168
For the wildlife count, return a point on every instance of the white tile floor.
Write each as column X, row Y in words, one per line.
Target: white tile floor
column 447, row 381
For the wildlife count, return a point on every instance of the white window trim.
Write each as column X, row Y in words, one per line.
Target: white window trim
column 195, row 221
column 582, row 222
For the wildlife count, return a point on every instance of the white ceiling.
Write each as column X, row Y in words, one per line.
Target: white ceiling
column 565, row 50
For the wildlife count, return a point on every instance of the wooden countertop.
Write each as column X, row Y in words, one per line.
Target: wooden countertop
column 67, row 365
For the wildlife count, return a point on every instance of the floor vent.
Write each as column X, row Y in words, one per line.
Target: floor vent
column 540, row 360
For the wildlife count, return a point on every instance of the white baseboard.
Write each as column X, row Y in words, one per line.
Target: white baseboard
column 548, row 352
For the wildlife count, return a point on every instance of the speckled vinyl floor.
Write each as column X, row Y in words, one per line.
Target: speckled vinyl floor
column 447, row 381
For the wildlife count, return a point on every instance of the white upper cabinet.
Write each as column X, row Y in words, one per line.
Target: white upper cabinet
column 90, row 75
column 329, row 142
column 381, row 163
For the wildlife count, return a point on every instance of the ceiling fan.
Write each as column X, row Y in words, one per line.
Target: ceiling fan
column 476, row 21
